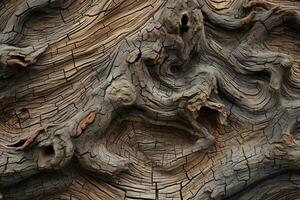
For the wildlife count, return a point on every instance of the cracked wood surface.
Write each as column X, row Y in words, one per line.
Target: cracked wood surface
column 150, row 99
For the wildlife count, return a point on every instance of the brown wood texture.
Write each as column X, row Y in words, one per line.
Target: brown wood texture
column 150, row 99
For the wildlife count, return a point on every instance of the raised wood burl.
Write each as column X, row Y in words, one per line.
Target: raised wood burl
column 150, row 99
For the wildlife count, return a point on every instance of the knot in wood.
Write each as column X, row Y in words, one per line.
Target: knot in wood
column 121, row 93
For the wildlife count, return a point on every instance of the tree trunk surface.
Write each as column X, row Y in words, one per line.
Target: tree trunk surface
column 150, row 99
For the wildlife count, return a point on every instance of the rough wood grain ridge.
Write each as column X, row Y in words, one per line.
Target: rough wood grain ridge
column 150, row 99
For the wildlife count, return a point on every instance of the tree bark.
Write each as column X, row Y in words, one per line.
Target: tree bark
column 150, row 99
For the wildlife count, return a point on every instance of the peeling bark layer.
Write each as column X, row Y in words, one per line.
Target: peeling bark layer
column 150, row 99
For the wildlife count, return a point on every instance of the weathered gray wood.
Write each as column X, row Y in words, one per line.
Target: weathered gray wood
column 150, row 99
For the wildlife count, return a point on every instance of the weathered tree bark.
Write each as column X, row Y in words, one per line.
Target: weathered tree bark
column 150, row 99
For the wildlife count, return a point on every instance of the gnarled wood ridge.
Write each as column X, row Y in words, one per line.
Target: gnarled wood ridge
column 150, row 99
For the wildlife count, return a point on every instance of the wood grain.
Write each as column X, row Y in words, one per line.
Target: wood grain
column 149, row 99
